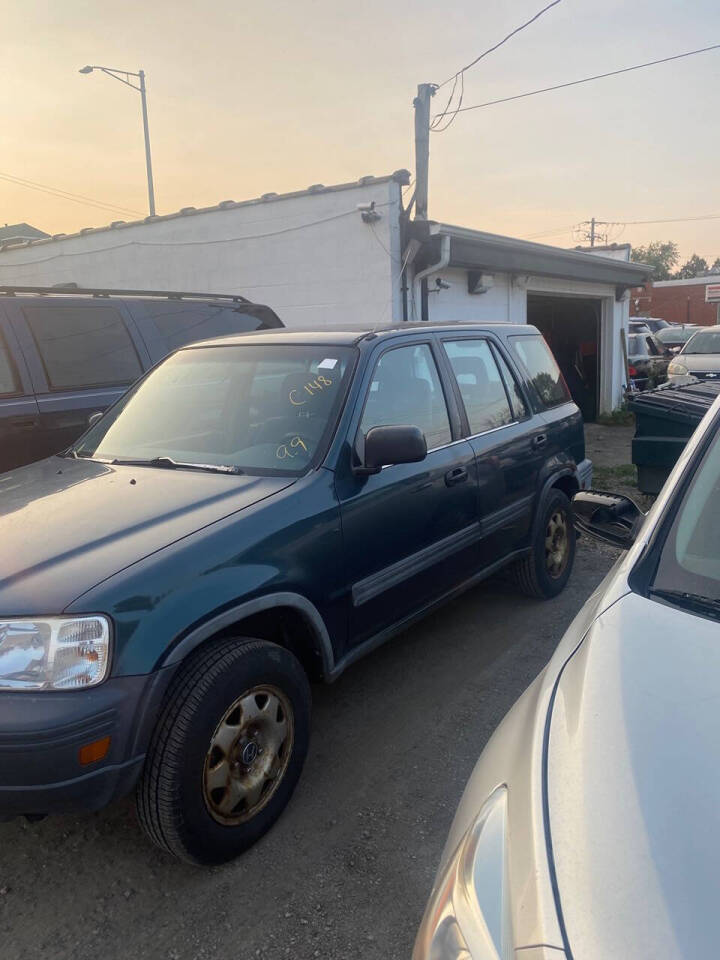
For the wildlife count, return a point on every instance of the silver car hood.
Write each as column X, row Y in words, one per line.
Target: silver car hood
column 700, row 361
column 633, row 779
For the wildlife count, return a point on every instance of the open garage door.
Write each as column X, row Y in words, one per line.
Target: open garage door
column 571, row 326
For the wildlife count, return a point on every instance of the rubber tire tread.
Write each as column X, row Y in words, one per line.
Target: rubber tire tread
column 157, row 803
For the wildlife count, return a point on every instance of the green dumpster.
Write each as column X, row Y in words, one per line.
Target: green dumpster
column 665, row 419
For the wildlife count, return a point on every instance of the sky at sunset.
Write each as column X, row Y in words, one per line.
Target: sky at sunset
column 250, row 98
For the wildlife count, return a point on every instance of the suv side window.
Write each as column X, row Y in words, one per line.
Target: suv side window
column 8, row 380
column 520, row 407
column 182, row 323
column 481, row 386
column 83, row 346
column 406, row 389
column 545, row 376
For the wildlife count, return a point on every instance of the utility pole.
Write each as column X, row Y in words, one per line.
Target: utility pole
column 592, row 232
column 425, row 92
column 148, row 160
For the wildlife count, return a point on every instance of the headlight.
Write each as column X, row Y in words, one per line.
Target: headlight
column 677, row 368
column 54, row 653
column 468, row 917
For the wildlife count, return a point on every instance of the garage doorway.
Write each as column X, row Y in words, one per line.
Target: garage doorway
column 571, row 326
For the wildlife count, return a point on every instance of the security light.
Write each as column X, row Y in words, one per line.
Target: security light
column 87, row 69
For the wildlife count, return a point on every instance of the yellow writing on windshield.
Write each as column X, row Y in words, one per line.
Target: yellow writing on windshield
column 285, row 450
column 296, row 395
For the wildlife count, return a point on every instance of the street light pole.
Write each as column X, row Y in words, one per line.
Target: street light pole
column 124, row 77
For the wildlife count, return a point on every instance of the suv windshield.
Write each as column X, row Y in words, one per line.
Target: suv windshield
column 690, row 558
column 706, row 342
column 261, row 409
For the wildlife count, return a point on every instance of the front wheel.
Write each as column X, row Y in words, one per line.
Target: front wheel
column 544, row 572
column 227, row 752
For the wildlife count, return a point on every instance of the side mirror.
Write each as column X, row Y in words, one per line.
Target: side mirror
column 608, row 517
column 94, row 417
column 384, row 446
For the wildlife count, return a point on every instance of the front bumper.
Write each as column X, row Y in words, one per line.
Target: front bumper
column 41, row 736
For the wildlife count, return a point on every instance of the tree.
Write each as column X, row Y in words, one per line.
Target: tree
column 695, row 267
column 715, row 268
column 661, row 256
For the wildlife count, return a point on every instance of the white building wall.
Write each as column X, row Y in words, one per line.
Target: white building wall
column 310, row 257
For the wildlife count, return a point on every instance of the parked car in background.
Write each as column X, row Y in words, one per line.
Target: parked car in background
column 590, row 827
column 647, row 361
column 638, row 326
column 700, row 357
column 677, row 335
column 256, row 511
column 67, row 354
column 654, row 324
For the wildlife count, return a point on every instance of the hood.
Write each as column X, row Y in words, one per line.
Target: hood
column 66, row 525
column 633, row 783
column 700, row 362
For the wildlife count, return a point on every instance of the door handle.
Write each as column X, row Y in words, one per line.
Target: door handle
column 455, row 476
column 540, row 440
column 23, row 423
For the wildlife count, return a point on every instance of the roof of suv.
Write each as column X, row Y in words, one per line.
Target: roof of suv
column 349, row 336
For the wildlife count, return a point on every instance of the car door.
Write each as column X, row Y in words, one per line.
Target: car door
column 19, row 414
column 410, row 532
column 82, row 356
column 507, row 441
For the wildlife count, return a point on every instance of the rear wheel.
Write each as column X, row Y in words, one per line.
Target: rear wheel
column 544, row 572
column 227, row 752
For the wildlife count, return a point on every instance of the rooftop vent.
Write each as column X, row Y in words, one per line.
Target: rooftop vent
column 316, row 188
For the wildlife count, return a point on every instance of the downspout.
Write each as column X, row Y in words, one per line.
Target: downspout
column 420, row 282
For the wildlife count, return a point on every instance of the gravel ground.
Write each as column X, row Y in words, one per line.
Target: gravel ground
column 346, row 871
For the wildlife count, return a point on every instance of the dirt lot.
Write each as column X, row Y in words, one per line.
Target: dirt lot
column 346, row 872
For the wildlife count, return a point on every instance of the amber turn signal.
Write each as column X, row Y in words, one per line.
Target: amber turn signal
column 92, row 752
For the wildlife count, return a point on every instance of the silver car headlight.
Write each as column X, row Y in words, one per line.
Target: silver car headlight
column 54, row 653
column 468, row 917
column 677, row 369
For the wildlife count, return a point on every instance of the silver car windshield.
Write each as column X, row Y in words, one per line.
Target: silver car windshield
column 704, row 342
column 690, row 558
column 259, row 409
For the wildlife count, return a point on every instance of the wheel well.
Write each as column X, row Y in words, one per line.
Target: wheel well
column 285, row 626
column 568, row 484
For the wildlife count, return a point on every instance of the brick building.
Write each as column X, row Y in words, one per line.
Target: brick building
column 677, row 301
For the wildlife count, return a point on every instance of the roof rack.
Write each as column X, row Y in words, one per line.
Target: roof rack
column 69, row 289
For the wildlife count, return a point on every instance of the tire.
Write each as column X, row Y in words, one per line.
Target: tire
column 538, row 574
column 234, row 727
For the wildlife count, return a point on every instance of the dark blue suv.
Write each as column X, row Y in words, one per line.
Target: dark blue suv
column 257, row 512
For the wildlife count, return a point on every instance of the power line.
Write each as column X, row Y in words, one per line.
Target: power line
column 461, row 74
column 500, row 42
column 573, row 83
column 65, row 194
column 620, row 223
column 632, row 223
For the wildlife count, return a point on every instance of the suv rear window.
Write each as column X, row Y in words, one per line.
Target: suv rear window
column 83, row 346
column 545, row 375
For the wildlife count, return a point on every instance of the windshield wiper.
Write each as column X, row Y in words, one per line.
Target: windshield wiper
column 167, row 463
column 691, row 601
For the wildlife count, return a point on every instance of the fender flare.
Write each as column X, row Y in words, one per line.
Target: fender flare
column 196, row 635
column 544, row 492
